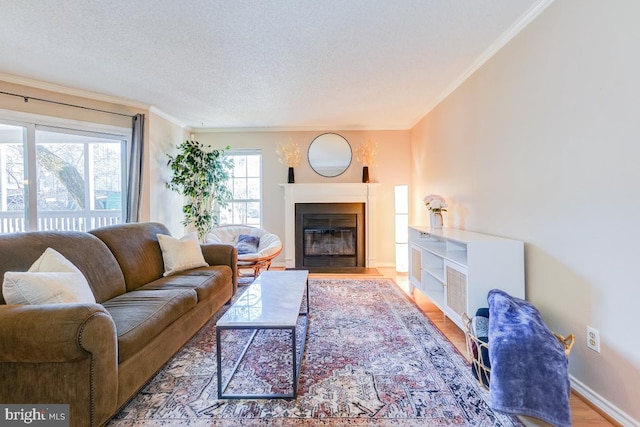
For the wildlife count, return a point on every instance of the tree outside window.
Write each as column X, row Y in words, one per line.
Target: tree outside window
column 77, row 179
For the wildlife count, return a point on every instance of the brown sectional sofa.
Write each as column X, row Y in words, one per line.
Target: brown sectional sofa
column 96, row 356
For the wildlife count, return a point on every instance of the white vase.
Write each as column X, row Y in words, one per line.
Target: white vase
column 435, row 220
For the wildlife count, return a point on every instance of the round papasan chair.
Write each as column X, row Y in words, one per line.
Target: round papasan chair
column 256, row 246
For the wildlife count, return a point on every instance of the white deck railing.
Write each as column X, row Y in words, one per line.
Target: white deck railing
column 15, row 222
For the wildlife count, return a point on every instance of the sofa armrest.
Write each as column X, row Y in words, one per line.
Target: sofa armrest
column 219, row 254
column 50, row 332
column 60, row 353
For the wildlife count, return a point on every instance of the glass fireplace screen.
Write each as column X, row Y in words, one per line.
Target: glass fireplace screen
column 333, row 241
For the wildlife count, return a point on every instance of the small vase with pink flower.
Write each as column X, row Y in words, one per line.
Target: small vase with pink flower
column 435, row 204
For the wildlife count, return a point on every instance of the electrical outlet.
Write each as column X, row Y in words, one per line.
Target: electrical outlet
column 593, row 339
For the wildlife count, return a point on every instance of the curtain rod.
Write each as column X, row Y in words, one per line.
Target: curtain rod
column 27, row 98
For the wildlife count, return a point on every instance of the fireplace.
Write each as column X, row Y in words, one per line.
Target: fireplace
column 337, row 193
column 330, row 235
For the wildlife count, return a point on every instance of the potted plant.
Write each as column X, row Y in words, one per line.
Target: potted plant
column 200, row 174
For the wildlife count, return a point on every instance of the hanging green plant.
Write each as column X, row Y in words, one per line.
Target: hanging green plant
column 200, row 174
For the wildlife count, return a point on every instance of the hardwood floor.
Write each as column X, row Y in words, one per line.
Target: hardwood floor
column 581, row 413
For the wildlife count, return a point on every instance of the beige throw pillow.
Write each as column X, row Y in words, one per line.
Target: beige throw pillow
column 181, row 254
column 51, row 279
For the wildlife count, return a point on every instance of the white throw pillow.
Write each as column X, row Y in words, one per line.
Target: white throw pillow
column 51, row 279
column 181, row 254
column 46, row 288
column 52, row 261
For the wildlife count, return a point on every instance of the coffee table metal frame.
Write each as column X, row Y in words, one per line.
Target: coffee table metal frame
column 296, row 355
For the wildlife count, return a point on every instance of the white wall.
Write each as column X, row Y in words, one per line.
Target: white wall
column 542, row 144
column 159, row 204
column 391, row 169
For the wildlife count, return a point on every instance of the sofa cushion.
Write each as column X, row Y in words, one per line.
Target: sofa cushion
column 205, row 281
column 51, row 279
column 19, row 251
column 133, row 245
column 141, row 315
column 180, row 254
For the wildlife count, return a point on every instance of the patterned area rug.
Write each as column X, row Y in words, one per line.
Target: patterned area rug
column 371, row 359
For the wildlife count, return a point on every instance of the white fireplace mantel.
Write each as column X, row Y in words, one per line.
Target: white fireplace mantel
column 330, row 193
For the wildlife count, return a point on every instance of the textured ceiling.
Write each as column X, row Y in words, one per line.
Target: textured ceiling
column 285, row 64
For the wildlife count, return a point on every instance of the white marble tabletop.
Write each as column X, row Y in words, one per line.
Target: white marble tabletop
column 272, row 300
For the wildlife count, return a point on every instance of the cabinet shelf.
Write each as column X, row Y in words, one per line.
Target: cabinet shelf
column 474, row 263
column 436, row 273
column 431, row 283
column 452, row 251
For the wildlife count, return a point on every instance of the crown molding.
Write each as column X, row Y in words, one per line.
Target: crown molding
column 9, row 78
column 170, row 118
column 297, row 129
column 535, row 10
column 51, row 87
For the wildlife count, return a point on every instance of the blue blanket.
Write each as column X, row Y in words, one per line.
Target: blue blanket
column 529, row 369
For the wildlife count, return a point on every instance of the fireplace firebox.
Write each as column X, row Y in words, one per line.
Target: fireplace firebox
column 330, row 236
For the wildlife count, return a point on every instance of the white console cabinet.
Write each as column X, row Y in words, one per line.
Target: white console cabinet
column 456, row 269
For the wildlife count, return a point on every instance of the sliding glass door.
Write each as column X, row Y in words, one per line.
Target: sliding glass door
column 13, row 197
column 60, row 179
column 79, row 179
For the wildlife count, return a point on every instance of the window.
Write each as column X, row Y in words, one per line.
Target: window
column 246, row 188
column 59, row 179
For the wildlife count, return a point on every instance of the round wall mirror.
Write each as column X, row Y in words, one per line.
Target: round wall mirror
column 329, row 154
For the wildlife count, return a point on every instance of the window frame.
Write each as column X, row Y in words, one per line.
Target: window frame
column 246, row 152
column 32, row 122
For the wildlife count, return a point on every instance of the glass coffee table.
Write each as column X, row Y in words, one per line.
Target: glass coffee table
column 273, row 301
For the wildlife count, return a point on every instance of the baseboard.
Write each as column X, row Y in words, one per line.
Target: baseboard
column 282, row 264
column 340, row 271
column 606, row 408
